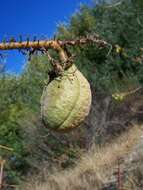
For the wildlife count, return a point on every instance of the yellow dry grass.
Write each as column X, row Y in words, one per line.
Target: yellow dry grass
column 94, row 168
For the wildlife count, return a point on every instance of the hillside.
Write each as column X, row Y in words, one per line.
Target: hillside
column 98, row 168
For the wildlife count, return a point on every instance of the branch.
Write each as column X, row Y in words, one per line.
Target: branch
column 2, row 162
column 58, row 45
column 6, row 148
column 54, row 44
column 86, row 40
column 35, row 45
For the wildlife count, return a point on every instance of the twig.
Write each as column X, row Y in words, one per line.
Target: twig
column 125, row 94
column 139, row 22
column 2, row 162
column 114, row 5
column 119, row 177
column 85, row 40
column 6, row 148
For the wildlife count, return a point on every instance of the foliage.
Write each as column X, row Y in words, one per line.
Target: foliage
column 121, row 26
column 108, row 70
column 20, row 96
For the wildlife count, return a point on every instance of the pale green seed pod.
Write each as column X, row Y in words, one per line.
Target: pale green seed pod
column 66, row 101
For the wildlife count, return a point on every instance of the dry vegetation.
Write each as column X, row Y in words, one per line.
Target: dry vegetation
column 120, row 130
column 95, row 169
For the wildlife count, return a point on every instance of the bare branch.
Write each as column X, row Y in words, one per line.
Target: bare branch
column 54, row 44
column 6, row 148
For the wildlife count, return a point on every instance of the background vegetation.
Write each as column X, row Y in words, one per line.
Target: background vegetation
column 116, row 68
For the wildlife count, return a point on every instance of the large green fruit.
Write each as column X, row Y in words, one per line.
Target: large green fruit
column 66, row 101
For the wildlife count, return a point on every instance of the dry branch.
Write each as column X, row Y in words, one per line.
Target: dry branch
column 54, row 44
column 6, row 148
column 58, row 45
column 34, row 45
column 2, row 162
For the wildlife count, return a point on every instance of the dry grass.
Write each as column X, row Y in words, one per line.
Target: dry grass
column 94, row 168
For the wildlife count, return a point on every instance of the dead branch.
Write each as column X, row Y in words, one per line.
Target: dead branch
column 2, row 162
column 6, row 148
column 60, row 46
column 35, row 45
column 54, row 44
column 57, row 45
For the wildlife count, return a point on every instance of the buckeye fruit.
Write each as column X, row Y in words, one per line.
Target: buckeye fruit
column 66, row 101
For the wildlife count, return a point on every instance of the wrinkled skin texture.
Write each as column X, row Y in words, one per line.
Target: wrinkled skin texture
column 66, row 101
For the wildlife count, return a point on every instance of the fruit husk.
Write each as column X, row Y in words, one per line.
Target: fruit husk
column 66, row 101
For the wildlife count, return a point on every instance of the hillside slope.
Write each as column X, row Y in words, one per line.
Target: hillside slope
column 95, row 170
column 121, row 141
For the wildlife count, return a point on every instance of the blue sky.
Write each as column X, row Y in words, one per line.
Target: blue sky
column 32, row 17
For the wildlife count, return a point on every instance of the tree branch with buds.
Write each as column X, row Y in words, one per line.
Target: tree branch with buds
column 54, row 44
column 60, row 46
